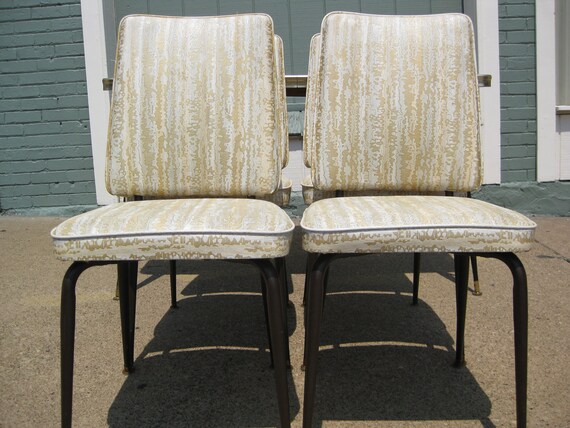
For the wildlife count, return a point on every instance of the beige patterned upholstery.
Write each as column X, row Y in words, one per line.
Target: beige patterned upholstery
column 379, row 136
column 178, row 129
column 310, row 99
column 282, row 195
column 197, row 111
column 281, row 101
column 413, row 224
column 398, row 136
column 310, row 194
column 176, row 229
column 205, row 121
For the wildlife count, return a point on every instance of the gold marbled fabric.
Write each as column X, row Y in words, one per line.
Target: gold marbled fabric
column 194, row 108
column 373, row 224
column 281, row 101
column 397, row 104
column 311, row 98
column 310, row 194
column 196, row 111
column 282, row 196
column 176, row 229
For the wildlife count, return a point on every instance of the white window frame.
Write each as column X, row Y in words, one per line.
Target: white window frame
column 548, row 142
column 96, row 69
column 486, row 21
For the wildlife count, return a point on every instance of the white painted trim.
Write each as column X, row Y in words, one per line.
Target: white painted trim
column 96, row 69
column 548, row 144
column 485, row 16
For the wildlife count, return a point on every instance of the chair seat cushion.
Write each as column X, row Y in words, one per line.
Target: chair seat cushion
column 176, row 229
column 413, row 224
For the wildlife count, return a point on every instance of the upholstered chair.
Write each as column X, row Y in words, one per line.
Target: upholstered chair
column 310, row 194
column 194, row 132
column 398, row 110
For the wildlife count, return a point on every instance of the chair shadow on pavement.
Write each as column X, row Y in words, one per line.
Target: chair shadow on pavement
column 208, row 364
column 381, row 359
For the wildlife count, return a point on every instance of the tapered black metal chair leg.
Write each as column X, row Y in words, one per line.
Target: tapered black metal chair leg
column 312, row 334
column 324, row 296
column 520, row 315
column 461, row 280
column 475, row 269
column 284, row 284
column 172, row 268
column 520, row 318
column 67, row 337
column 265, row 311
column 128, row 271
column 308, row 268
column 416, row 279
column 281, row 265
column 278, row 333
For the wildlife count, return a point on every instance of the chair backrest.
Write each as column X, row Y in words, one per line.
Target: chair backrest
column 398, row 104
column 281, row 101
column 310, row 99
column 194, row 108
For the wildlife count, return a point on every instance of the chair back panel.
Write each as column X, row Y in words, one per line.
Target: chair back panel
column 398, row 104
column 281, row 101
column 310, row 99
column 193, row 110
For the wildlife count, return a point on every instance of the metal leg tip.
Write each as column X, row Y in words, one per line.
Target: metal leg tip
column 476, row 289
column 127, row 370
column 459, row 363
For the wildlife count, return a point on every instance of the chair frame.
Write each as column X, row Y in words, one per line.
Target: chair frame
column 315, row 306
column 272, row 287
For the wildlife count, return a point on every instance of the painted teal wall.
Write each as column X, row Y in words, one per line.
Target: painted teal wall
column 294, row 20
column 45, row 148
column 517, row 52
column 45, row 152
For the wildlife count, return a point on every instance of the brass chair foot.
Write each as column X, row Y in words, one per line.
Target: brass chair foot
column 476, row 289
column 127, row 370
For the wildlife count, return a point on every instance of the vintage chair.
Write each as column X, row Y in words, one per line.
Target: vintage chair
column 398, row 110
column 193, row 118
column 310, row 194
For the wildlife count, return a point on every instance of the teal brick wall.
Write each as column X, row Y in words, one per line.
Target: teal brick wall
column 45, row 147
column 518, row 90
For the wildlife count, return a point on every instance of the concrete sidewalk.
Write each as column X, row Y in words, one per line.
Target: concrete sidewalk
column 384, row 363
